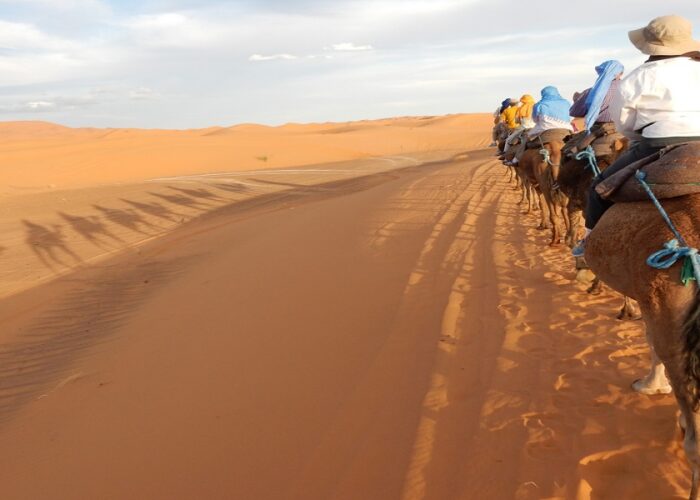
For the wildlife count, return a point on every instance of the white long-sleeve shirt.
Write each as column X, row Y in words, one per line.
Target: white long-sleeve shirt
column 544, row 123
column 660, row 97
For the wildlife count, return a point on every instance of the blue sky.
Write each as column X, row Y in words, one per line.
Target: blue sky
column 187, row 64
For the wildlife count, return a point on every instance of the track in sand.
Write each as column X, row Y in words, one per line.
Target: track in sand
column 405, row 334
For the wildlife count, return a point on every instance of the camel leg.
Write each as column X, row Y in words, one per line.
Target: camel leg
column 533, row 195
column 527, row 196
column 523, row 195
column 554, row 220
column 689, row 422
column 575, row 221
column 530, row 199
column 567, row 222
column 544, row 212
column 656, row 381
column 630, row 311
column 596, row 287
column 517, row 184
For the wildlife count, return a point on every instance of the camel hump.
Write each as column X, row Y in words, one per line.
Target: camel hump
column 672, row 172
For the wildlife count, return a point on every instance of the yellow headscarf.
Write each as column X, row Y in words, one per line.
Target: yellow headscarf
column 528, row 102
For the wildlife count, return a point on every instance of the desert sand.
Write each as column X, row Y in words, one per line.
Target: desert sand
column 347, row 311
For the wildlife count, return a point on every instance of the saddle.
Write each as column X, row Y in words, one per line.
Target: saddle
column 602, row 139
column 556, row 134
column 671, row 172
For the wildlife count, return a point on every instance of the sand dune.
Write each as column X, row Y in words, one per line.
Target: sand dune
column 43, row 156
column 70, row 196
column 379, row 326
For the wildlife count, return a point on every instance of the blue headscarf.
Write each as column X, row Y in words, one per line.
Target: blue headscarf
column 552, row 105
column 607, row 72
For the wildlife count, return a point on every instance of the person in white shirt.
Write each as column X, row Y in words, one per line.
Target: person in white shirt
column 656, row 105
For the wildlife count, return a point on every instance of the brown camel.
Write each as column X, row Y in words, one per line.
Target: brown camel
column 540, row 170
column 617, row 251
column 574, row 179
column 521, row 181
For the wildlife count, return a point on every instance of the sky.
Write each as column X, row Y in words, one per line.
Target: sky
column 178, row 64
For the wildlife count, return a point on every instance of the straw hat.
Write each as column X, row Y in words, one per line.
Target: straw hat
column 666, row 36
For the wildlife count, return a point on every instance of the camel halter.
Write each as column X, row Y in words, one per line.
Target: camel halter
column 588, row 154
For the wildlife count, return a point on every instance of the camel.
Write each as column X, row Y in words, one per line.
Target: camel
column 522, row 182
column 574, row 178
column 670, row 310
column 500, row 134
column 540, row 169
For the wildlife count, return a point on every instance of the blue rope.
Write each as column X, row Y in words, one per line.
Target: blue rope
column 675, row 249
column 545, row 156
column 589, row 155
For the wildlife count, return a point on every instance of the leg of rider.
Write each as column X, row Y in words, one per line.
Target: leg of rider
column 596, row 205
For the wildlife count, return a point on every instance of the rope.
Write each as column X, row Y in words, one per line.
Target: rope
column 545, row 152
column 675, row 249
column 588, row 154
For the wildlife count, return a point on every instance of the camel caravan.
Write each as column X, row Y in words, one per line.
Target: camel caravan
column 623, row 193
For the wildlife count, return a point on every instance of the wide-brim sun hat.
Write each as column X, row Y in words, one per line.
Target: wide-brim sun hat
column 666, row 36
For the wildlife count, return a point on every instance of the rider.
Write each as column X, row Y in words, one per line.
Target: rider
column 550, row 113
column 500, row 127
column 656, row 105
column 510, row 115
column 527, row 103
column 523, row 119
column 594, row 103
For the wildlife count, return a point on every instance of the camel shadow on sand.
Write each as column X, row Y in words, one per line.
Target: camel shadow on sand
column 49, row 245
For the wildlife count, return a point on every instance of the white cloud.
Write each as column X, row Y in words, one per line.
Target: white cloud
column 350, row 47
column 39, row 105
column 178, row 30
column 57, row 4
column 22, row 36
column 50, row 105
column 143, row 94
column 273, row 57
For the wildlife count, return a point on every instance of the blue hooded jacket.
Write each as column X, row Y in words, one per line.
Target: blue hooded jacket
column 607, row 72
column 552, row 105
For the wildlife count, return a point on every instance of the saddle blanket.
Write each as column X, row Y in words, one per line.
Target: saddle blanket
column 602, row 139
column 672, row 172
